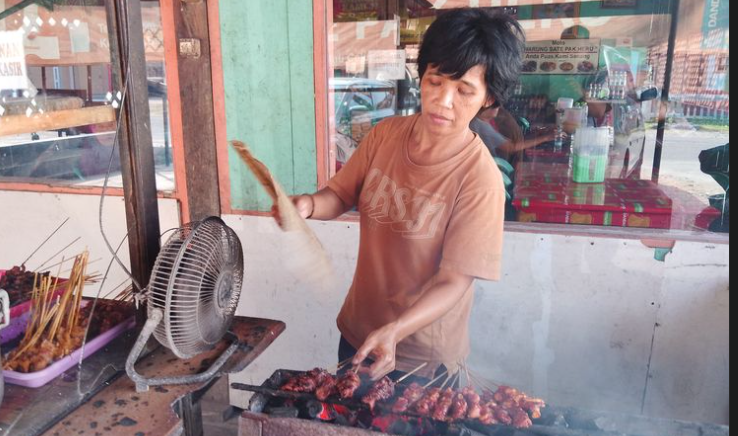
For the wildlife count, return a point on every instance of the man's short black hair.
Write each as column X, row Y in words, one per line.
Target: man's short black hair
column 461, row 39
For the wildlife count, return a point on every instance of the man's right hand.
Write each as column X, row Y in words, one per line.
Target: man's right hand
column 304, row 204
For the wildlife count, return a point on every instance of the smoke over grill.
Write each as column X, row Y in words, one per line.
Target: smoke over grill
column 274, row 412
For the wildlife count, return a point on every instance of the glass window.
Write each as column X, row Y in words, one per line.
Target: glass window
column 589, row 141
column 58, row 104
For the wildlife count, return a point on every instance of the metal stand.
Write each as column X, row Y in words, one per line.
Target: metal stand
column 143, row 383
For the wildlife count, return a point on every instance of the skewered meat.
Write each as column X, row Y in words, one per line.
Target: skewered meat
column 382, row 390
column 473, row 400
column 506, row 405
column 301, row 384
column 502, row 415
column 347, row 385
column 488, row 396
column 43, row 353
column 510, row 400
column 401, row 405
column 459, row 408
column 487, row 416
column 443, row 405
column 320, row 375
column 412, row 395
column 326, row 389
column 424, row 406
column 521, row 419
column 307, row 383
column 19, row 283
column 304, row 383
column 475, row 411
column 533, row 406
column 107, row 314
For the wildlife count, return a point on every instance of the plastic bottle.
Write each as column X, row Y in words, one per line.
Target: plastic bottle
column 606, row 93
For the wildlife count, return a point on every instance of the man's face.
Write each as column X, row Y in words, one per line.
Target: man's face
column 450, row 105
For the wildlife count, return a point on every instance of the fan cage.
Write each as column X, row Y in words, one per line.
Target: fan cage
column 196, row 283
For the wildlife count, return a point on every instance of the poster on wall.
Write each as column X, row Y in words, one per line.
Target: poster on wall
column 387, row 64
column 12, row 61
column 716, row 25
column 352, row 40
column 355, row 10
column 576, row 56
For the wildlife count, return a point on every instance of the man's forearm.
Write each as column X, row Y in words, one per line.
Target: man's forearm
column 436, row 302
column 327, row 205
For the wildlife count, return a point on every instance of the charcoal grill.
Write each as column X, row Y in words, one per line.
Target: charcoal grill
column 272, row 413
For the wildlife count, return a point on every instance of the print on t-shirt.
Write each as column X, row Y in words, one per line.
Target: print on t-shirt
column 409, row 211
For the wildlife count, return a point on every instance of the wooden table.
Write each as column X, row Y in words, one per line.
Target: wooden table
column 102, row 400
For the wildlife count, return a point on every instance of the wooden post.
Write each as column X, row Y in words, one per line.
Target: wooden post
column 197, row 111
column 128, row 65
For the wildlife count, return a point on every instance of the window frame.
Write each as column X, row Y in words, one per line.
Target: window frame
column 322, row 18
column 175, row 124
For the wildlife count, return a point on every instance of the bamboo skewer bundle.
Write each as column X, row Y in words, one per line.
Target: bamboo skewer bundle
column 54, row 326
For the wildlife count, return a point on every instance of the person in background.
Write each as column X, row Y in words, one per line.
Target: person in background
column 431, row 202
column 502, row 134
column 484, row 126
column 507, row 125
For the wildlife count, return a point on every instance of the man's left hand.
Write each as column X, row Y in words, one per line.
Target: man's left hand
column 380, row 346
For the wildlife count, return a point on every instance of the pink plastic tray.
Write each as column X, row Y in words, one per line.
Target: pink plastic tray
column 40, row 378
column 16, row 328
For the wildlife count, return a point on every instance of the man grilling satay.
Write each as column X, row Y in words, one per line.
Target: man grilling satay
column 431, row 201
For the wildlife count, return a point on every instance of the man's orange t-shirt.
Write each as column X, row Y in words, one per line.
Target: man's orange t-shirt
column 416, row 219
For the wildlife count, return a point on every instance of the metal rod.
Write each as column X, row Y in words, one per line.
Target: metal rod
column 665, row 95
column 45, row 241
column 38, row 268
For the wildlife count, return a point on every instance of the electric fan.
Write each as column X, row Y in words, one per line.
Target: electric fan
column 191, row 298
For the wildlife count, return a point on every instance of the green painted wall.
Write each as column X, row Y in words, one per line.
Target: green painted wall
column 269, row 94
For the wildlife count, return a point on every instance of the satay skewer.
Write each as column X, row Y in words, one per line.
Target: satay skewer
column 432, row 382
column 481, row 383
column 88, row 263
column 490, row 384
column 35, row 293
column 70, row 260
column 104, row 297
column 454, row 377
column 469, row 380
column 45, row 241
column 40, row 267
column 125, row 295
column 405, row 377
column 340, row 365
